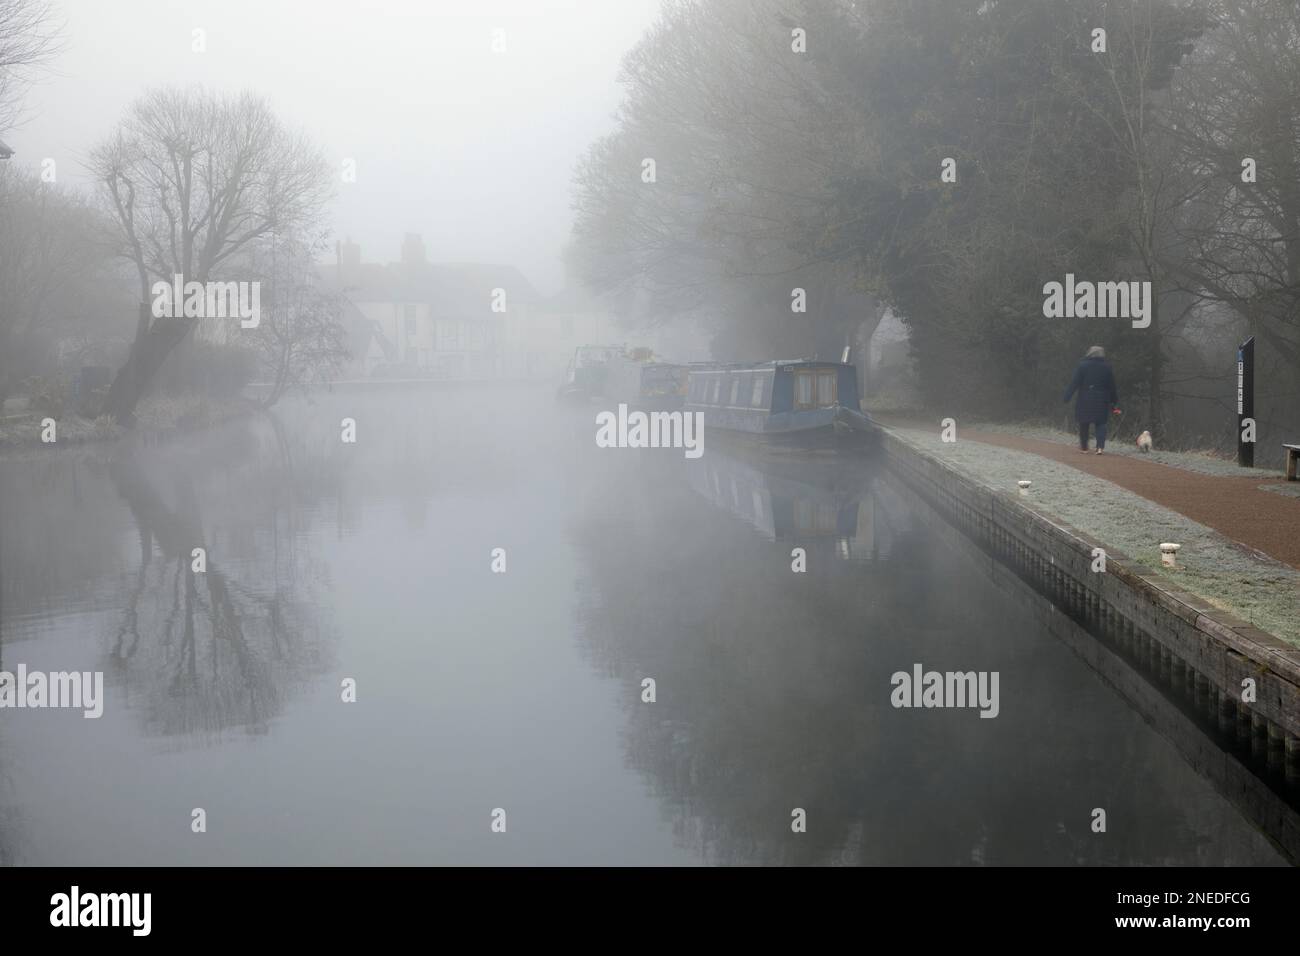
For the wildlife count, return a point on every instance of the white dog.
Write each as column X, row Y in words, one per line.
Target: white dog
column 1144, row 442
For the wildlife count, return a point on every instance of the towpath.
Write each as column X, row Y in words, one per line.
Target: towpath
column 1238, row 507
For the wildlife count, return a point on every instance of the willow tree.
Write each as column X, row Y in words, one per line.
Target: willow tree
column 1046, row 142
column 193, row 178
column 710, row 196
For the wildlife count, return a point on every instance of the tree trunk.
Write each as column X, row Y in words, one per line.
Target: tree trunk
column 154, row 341
column 1156, row 377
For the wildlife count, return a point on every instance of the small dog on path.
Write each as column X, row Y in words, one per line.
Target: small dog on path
column 1144, row 442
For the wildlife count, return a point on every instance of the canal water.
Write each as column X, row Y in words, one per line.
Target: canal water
column 523, row 690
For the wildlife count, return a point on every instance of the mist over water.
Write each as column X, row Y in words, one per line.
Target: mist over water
column 647, row 433
column 522, row 690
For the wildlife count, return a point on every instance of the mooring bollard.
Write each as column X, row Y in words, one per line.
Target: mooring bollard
column 1024, row 486
column 1169, row 554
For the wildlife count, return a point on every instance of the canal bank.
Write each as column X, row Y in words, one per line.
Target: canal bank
column 1205, row 742
column 1146, row 615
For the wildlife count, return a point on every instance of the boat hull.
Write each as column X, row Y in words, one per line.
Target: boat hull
column 829, row 439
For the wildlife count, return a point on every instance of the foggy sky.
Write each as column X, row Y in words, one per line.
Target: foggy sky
column 472, row 149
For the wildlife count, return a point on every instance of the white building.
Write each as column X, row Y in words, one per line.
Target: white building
column 426, row 320
column 416, row 319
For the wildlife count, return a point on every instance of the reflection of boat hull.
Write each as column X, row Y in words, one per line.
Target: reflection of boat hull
column 794, row 499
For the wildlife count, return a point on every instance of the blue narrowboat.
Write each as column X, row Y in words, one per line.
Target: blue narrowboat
column 801, row 404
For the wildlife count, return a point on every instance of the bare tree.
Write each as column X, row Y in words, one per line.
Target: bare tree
column 745, row 142
column 192, row 179
column 28, row 40
column 1239, row 101
column 301, row 337
column 54, row 270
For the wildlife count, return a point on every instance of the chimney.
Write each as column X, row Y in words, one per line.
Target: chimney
column 413, row 249
column 348, row 255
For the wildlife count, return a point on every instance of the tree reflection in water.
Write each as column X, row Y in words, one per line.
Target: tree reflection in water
column 200, row 652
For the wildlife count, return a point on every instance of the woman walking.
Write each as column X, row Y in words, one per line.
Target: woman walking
column 1095, row 384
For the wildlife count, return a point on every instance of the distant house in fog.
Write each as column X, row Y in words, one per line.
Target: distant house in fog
column 5, row 151
column 420, row 319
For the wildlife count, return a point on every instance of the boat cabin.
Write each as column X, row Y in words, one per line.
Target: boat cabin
column 774, row 397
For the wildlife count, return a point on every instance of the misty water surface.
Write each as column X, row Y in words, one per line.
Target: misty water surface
column 523, row 690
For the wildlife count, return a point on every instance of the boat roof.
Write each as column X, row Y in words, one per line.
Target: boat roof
column 775, row 363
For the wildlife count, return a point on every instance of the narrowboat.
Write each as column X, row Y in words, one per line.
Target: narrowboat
column 797, row 404
column 587, row 371
column 645, row 384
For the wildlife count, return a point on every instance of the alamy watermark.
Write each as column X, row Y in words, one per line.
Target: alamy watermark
column 1098, row 300
column 75, row 690
column 638, row 429
column 922, row 688
column 75, row 908
column 208, row 300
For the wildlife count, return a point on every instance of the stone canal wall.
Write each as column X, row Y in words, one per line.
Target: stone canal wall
column 1201, row 653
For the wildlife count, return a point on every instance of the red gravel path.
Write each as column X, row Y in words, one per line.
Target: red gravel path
column 1235, row 507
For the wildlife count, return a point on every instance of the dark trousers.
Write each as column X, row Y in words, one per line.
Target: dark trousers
column 1083, row 434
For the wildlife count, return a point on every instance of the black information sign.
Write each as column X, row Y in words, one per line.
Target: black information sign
column 1246, row 402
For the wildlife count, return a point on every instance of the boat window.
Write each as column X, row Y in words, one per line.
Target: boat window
column 815, row 517
column 826, row 388
column 756, row 399
column 717, row 389
column 803, row 389
column 735, row 390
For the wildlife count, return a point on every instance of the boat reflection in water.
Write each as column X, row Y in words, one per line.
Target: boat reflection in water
column 774, row 688
column 823, row 506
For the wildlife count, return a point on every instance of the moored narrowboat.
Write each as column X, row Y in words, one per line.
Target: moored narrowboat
column 643, row 383
column 799, row 404
column 588, row 369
